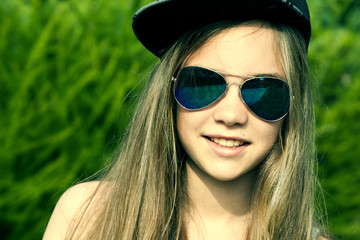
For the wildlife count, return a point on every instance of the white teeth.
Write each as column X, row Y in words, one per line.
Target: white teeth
column 222, row 142
column 230, row 143
column 227, row 143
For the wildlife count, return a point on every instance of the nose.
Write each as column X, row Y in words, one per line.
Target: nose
column 230, row 110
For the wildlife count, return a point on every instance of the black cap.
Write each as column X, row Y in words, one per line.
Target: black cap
column 159, row 24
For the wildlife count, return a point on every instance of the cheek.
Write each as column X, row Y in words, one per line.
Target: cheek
column 184, row 133
column 268, row 133
column 188, row 121
column 184, row 126
column 181, row 122
column 189, row 127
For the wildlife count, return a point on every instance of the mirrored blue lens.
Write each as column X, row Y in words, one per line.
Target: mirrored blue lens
column 196, row 88
column 268, row 98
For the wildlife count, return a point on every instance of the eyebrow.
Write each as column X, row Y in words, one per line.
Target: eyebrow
column 271, row 75
column 260, row 75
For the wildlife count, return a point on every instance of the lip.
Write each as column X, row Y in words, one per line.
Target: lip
column 226, row 151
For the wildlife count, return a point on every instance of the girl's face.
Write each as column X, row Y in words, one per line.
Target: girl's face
column 211, row 136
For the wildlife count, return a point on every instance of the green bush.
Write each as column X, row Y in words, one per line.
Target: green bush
column 335, row 57
column 65, row 70
column 70, row 72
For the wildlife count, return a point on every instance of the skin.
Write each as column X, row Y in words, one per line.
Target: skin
column 221, row 179
column 70, row 203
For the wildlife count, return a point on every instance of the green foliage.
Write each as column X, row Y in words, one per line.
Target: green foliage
column 335, row 56
column 69, row 75
column 65, row 69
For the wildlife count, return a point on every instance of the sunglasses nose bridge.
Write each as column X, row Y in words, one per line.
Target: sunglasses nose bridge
column 239, row 86
column 234, row 83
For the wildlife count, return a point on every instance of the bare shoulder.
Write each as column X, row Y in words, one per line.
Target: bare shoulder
column 76, row 196
column 70, row 203
column 321, row 238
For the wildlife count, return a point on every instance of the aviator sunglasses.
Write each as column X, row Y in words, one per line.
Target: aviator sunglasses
column 196, row 88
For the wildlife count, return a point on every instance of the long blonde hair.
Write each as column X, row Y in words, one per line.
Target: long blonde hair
column 142, row 194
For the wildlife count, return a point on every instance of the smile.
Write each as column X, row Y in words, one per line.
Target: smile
column 228, row 142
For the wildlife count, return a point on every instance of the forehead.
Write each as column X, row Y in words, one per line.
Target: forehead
column 243, row 50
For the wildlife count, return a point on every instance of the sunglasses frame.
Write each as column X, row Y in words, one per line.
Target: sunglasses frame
column 222, row 75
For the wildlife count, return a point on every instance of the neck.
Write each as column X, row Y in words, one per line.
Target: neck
column 220, row 203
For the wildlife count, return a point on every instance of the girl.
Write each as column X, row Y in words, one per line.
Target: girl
column 221, row 145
